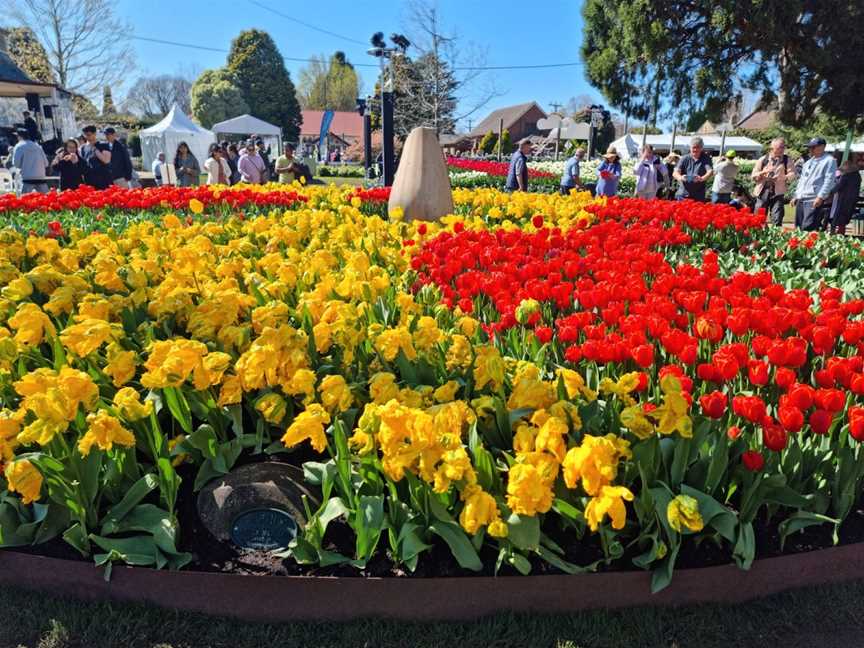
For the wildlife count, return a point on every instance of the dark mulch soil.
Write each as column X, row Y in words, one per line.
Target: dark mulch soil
column 211, row 555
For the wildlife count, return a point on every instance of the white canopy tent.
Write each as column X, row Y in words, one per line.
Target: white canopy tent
column 839, row 147
column 249, row 125
column 165, row 136
column 628, row 146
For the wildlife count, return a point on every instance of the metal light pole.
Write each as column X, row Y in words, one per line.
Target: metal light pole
column 387, row 147
column 380, row 50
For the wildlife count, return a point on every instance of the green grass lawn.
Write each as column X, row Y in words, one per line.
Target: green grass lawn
column 824, row 617
column 356, row 182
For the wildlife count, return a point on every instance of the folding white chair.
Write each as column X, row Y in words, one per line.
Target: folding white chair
column 7, row 181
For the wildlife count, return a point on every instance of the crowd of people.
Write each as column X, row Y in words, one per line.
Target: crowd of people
column 229, row 164
column 825, row 195
column 101, row 163
column 85, row 160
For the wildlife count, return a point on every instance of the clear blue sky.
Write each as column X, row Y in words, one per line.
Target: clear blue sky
column 513, row 33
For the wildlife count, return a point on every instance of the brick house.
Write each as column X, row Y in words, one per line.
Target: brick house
column 520, row 120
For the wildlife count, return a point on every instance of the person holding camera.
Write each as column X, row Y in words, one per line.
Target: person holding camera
column 651, row 174
column 69, row 165
column 773, row 173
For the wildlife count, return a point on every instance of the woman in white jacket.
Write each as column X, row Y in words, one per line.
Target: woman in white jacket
column 216, row 166
column 646, row 171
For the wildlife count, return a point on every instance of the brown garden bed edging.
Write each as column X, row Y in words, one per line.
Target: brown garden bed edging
column 286, row 598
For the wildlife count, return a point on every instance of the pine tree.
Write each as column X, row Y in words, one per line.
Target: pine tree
column 108, row 107
column 265, row 84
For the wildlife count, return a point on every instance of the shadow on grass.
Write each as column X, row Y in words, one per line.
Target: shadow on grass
column 827, row 617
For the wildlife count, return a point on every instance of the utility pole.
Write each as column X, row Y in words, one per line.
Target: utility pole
column 470, row 122
column 555, row 106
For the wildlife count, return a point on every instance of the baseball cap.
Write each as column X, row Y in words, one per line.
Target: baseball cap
column 816, row 141
column 731, row 153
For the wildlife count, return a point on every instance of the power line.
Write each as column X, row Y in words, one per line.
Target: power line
column 517, row 67
column 305, row 24
column 225, row 51
column 537, row 66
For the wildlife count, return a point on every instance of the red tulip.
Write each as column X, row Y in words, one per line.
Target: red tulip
column 791, row 418
column 774, row 436
column 713, row 404
column 753, row 460
column 856, row 422
column 820, row 421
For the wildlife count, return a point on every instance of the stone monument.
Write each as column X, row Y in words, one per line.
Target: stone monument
column 422, row 185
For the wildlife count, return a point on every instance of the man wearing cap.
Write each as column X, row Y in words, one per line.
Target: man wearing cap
column 773, row 173
column 724, row 178
column 121, row 163
column 517, row 174
column 97, row 160
column 29, row 158
column 693, row 171
column 814, row 186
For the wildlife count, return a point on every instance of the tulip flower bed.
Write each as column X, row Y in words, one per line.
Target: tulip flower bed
column 468, row 173
column 537, row 383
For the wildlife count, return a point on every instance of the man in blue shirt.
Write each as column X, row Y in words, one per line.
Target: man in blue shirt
column 814, row 186
column 517, row 174
column 570, row 178
column 29, row 158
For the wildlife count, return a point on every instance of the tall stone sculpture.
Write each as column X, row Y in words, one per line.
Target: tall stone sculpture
column 422, row 185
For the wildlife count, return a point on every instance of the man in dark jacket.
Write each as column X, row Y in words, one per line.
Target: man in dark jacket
column 846, row 193
column 121, row 163
column 31, row 127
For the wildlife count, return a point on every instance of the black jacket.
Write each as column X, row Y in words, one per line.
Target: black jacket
column 121, row 163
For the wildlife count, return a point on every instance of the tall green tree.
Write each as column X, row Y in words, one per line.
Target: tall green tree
column 27, row 53
column 108, row 107
column 265, row 84
column 216, row 97
column 684, row 56
column 332, row 84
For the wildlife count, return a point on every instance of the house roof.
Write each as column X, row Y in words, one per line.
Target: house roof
column 344, row 124
column 510, row 115
column 11, row 72
column 758, row 120
column 451, row 139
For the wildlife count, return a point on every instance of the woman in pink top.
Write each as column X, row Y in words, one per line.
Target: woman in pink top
column 251, row 166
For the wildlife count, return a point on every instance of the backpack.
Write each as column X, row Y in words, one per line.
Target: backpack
column 785, row 162
column 657, row 172
column 768, row 191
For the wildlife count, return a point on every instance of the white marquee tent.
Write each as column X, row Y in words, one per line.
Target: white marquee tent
column 839, row 147
column 165, row 136
column 249, row 125
column 629, row 145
